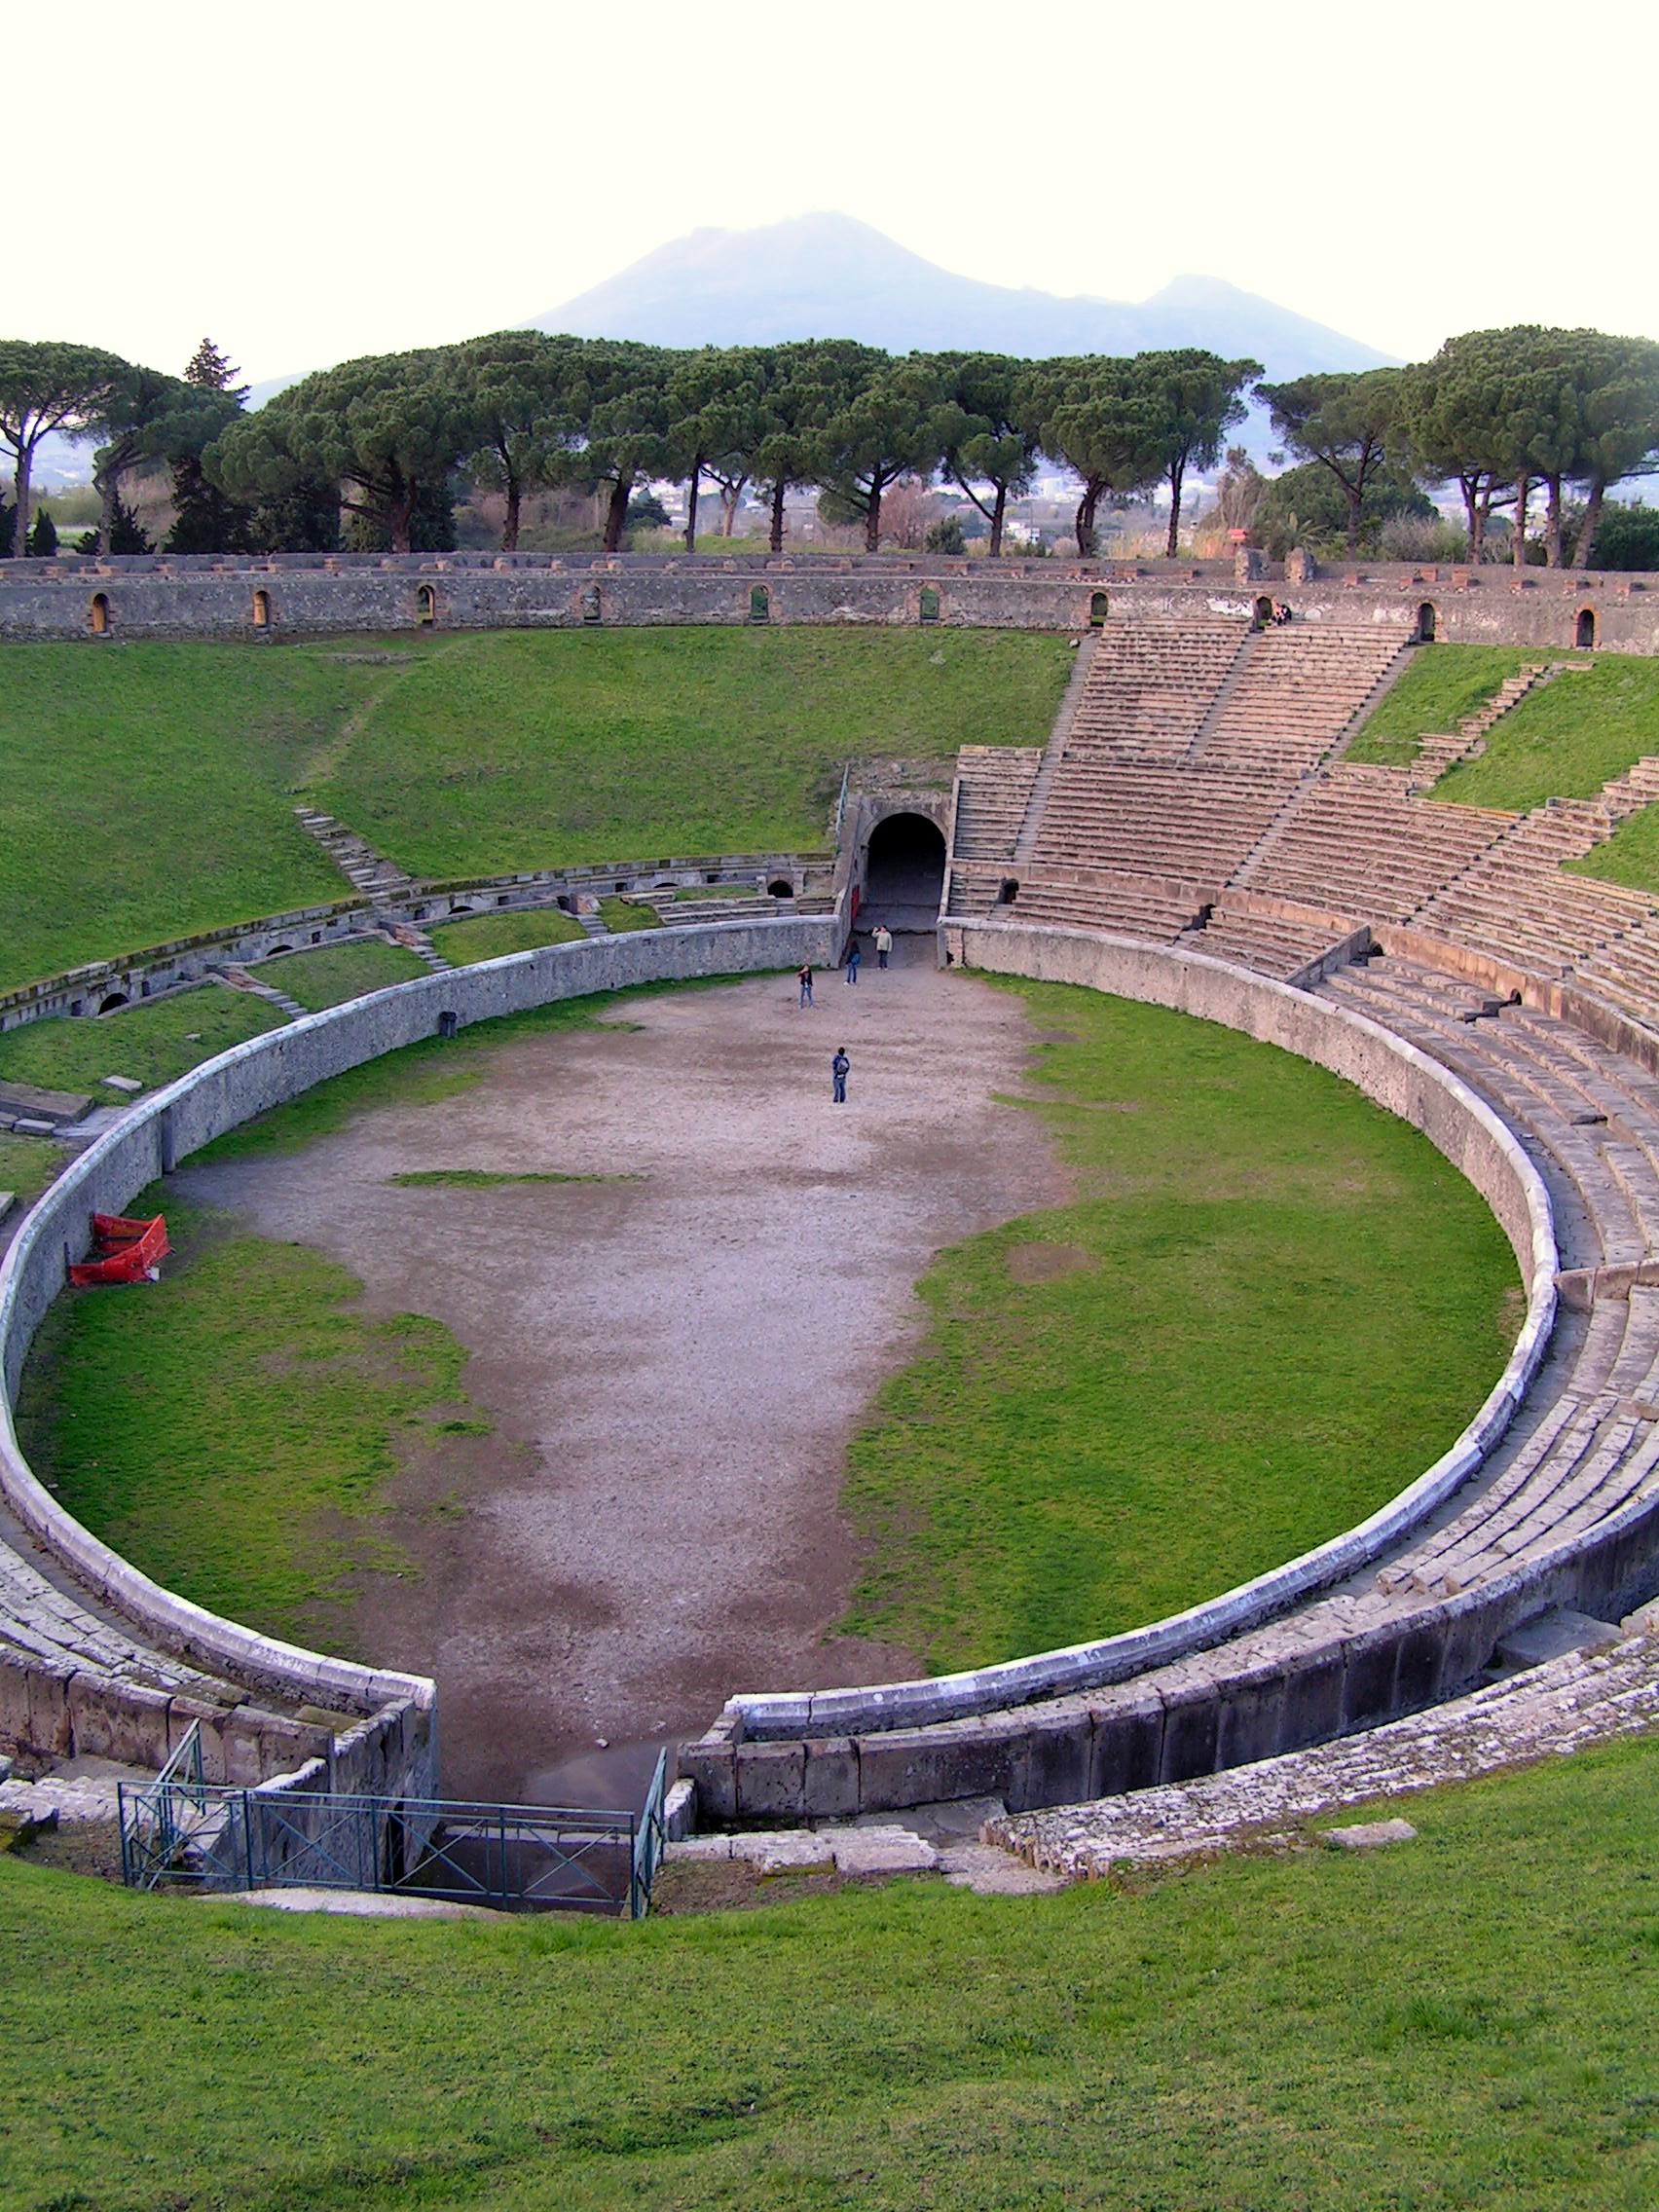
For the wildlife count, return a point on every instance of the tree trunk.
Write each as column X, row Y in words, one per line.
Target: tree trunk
column 1353, row 500
column 108, row 482
column 778, row 516
column 509, row 533
column 1177, row 474
column 1474, row 516
column 692, row 483
column 1523, row 485
column 1083, row 522
column 1587, row 528
column 873, row 519
column 997, row 522
column 20, row 519
column 1552, row 523
column 399, row 517
column 616, row 514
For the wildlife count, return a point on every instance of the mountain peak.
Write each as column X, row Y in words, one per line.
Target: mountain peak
column 827, row 275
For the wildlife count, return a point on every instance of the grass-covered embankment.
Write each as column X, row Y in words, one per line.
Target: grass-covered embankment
column 151, row 1042
column 1270, row 1306
column 147, row 790
column 233, row 1429
column 1461, row 2021
column 331, row 974
column 1435, row 690
column 1566, row 738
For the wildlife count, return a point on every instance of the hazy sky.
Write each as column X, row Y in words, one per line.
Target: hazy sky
column 313, row 181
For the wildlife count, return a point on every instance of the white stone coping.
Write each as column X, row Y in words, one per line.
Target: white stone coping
column 1111, row 1659
column 230, row 1089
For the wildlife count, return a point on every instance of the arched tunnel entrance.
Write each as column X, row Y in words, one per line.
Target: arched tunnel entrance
column 903, row 873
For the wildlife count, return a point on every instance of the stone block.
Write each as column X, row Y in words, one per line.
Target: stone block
column 711, row 1771
column 771, row 1781
column 1312, row 1695
column 118, row 1720
column 1368, row 1835
column 1250, row 1726
column 1126, row 1752
column 186, row 1712
column 1547, row 1635
column 1192, row 1720
column 1370, row 1665
column 1057, row 1756
column 1422, row 1657
column 970, row 1758
column 831, row 1788
column 783, row 1851
column 49, row 1727
column 14, row 1702
column 891, row 1849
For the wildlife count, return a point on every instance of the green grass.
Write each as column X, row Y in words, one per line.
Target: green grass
column 232, row 1429
column 1629, row 856
column 146, row 790
column 487, row 937
column 1287, row 1305
column 152, row 1041
column 1464, row 2021
column 619, row 915
column 1566, row 739
column 143, row 790
column 27, row 1164
column 488, row 1178
column 332, row 973
column 1437, row 690
column 518, row 749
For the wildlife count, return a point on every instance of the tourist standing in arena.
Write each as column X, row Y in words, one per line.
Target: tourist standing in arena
column 803, row 976
column 883, row 943
column 854, row 956
column 839, row 1067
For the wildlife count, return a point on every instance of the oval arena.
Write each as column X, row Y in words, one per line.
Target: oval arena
column 1191, row 835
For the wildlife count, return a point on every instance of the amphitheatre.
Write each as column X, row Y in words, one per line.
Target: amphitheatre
column 670, row 1294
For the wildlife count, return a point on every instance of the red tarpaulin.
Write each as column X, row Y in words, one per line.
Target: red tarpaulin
column 122, row 1250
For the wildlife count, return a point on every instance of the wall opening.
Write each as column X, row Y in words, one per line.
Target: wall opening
column 1097, row 607
column 112, row 1002
column 425, row 604
column 1009, row 891
column 448, row 1023
column 261, row 611
column 1427, row 622
column 927, row 606
column 1585, row 634
column 98, row 614
column 780, row 887
column 1263, row 613
column 591, row 610
column 759, row 604
column 905, row 872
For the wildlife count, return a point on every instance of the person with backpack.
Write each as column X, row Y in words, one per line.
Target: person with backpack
column 839, row 1067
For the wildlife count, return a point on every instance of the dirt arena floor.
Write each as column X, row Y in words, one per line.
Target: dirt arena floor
column 674, row 1359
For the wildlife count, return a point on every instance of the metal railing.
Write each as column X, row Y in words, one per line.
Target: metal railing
column 178, row 1831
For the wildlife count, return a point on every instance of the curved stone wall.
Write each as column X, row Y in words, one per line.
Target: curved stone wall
column 247, row 1081
column 1398, row 1077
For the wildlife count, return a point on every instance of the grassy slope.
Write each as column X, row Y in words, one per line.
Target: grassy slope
column 27, row 1164
column 1290, row 1304
column 1432, row 694
column 143, row 790
column 230, row 1429
column 487, row 937
column 152, row 1042
column 516, row 749
column 1462, row 2021
column 1567, row 739
column 146, row 789
column 331, row 974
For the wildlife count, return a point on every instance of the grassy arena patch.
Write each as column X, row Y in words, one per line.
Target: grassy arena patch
column 488, row 937
column 1277, row 1304
column 27, row 1164
column 1461, row 2021
column 1436, row 690
column 152, row 1042
column 230, row 1428
column 147, row 789
column 332, row 973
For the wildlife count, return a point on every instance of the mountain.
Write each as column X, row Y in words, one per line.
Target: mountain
column 828, row 275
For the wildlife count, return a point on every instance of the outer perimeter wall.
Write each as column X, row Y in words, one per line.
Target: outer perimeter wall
column 290, row 593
